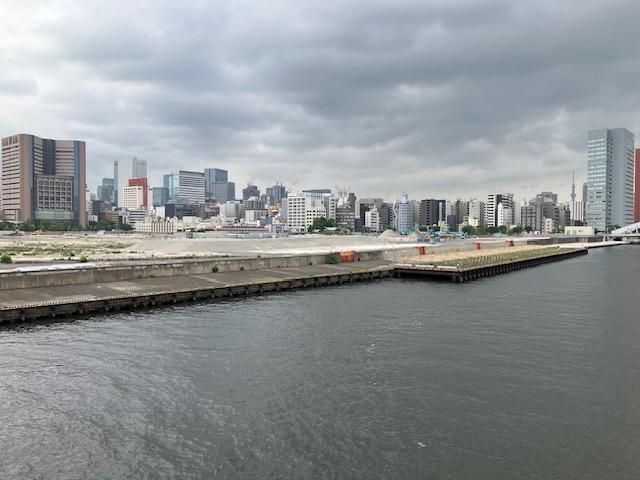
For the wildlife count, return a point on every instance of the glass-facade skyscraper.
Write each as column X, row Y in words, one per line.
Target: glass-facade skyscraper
column 610, row 174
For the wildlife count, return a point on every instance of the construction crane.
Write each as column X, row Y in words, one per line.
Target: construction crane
column 251, row 180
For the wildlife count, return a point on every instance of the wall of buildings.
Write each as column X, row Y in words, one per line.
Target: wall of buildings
column 43, row 179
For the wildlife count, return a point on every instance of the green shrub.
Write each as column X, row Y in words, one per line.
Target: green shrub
column 333, row 259
column 242, row 268
column 84, row 259
column 214, row 269
column 6, row 258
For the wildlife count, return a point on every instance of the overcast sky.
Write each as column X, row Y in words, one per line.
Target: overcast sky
column 436, row 98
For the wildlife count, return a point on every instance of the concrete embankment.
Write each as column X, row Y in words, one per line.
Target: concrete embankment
column 47, row 295
column 167, row 268
column 47, row 303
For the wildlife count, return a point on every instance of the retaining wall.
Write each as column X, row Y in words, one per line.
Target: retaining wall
column 168, row 268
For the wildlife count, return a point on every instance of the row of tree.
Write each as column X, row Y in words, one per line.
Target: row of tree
column 320, row 224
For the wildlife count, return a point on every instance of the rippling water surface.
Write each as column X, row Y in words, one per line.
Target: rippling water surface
column 530, row 375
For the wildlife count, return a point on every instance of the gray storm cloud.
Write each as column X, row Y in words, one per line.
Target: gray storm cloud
column 447, row 98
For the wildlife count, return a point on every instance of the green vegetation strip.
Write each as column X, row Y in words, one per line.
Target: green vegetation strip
column 502, row 258
column 63, row 250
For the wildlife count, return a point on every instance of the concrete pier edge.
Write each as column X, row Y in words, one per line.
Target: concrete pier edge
column 356, row 272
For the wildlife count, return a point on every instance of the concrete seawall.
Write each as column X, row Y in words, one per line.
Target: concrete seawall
column 73, row 300
column 166, row 268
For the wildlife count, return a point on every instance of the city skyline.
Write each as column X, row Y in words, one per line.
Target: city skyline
column 436, row 91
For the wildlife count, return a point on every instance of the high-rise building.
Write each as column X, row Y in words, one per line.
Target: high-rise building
column 106, row 190
column 224, row 192
column 254, row 210
column 491, row 208
column 123, row 170
column 140, row 182
column 432, row 212
column 636, row 212
column 404, row 214
column 212, row 176
column 160, row 196
column 132, row 197
column 457, row 212
column 43, row 179
column 250, row 191
column 542, row 207
column 186, row 185
column 276, row 194
column 372, row 220
column 610, row 164
column 476, row 213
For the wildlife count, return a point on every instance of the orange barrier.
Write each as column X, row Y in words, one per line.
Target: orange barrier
column 477, row 245
column 346, row 257
column 421, row 250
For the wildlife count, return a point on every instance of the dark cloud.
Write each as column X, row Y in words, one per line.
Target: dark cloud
column 443, row 98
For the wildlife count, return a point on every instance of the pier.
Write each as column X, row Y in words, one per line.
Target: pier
column 463, row 273
column 28, row 296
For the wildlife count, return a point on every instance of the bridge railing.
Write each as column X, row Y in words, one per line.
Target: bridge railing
column 627, row 230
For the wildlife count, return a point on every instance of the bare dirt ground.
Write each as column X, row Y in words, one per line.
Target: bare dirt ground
column 436, row 257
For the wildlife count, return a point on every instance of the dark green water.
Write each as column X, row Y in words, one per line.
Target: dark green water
column 530, row 375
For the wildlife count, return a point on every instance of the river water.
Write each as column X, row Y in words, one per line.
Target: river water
column 530, row 375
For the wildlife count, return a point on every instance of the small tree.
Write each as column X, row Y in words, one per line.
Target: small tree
column 469, row 230
column 320, row 224
column 333, row 259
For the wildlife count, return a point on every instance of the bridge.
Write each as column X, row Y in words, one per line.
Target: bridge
column 632, row 230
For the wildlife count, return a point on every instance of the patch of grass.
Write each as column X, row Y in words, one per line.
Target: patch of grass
column 6, row 258
column 84, row 259
column 333, row 259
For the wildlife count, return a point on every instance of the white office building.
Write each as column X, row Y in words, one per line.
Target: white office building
column 505, row 215
column 131, row 198
column 492, row 211
column 372, row 220
column 476, row 212
column 303, row 208
column 404, row 215
column 123, row 171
